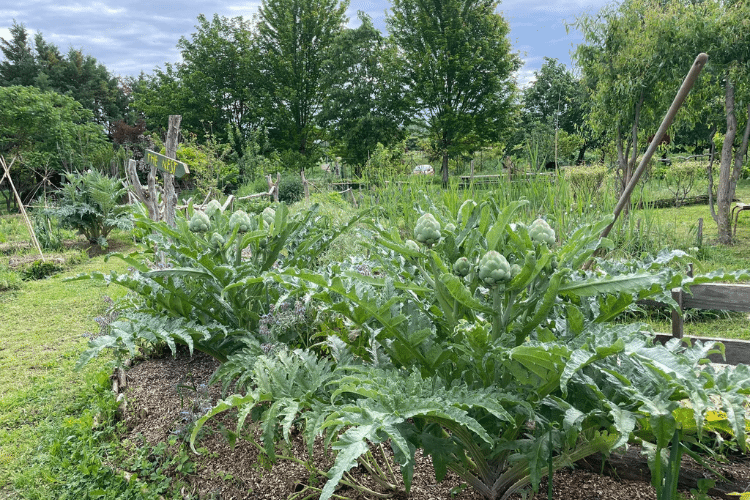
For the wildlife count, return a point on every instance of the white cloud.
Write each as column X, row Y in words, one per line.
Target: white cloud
column 245, row 9
column 525, row 77
column 91, row 8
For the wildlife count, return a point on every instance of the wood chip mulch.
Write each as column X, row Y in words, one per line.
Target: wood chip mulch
column 165, row 395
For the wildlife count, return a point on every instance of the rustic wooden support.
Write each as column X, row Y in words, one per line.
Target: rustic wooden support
column 170, row 197
column 305, row 185
column 677, row 315
column 228, row 203
column 161, row 203
column 273, row 187
column 727, row 297
column 682, row 93
column 721, row 296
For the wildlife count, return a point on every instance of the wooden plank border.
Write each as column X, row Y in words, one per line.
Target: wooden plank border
column 721, row 296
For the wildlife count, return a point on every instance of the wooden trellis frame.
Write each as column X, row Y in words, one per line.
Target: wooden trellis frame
column 6, row 174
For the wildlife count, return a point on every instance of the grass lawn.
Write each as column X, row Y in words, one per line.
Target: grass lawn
column 41, row 337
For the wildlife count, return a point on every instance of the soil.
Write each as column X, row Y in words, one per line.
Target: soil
column 163, row 396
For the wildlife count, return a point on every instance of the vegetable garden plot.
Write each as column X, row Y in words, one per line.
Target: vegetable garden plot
column 502, row 372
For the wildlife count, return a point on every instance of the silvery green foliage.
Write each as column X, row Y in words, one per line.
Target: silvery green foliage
column 215, row 287
column 494, row 382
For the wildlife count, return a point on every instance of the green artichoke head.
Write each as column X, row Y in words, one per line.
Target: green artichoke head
column 213, row 208
column 268, row 215
column 427, row 230
column 541, row 232
column 199, row 222
column 412, row 245
column 216, row 241
column 515, row 269
column 462, row 266
column 494, row 268
column 241, row 221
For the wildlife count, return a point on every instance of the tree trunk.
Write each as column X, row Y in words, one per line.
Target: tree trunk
column 710, row 173
column 724, row 192
column 445, row 169
column 582, row 153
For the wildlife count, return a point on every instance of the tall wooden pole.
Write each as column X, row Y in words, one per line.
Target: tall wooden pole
column 682, row 94
column 170, row 197
column 6, row 169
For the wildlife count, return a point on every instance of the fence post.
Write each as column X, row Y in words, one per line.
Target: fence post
column 677, row 317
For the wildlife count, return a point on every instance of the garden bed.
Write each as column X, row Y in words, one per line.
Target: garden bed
column 162, row 393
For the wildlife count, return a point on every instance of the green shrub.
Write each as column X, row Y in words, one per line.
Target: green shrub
column 680, row 178
column 586, row 181
column 291, row 189
column 40, row 269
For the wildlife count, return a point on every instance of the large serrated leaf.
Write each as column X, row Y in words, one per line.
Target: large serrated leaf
column 629, row 283
column 462, row 294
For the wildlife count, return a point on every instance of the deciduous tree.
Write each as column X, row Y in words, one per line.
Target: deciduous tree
column 458, row 65
column 295, row 39
column 364, row 106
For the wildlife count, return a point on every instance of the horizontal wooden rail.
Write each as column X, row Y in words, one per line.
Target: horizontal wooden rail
column 719, row 296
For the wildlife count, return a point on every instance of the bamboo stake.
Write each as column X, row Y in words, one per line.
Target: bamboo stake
column 7, row 168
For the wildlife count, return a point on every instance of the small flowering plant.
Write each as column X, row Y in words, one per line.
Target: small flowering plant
column 289, row 322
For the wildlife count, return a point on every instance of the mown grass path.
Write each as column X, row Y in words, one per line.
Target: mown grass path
column 42, row 330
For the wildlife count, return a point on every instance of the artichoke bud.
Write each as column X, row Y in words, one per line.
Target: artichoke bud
column 427, row 230
column 199, row 222
column 241, row 221
column 462, row 266
column 541, row 232
column 494, row 268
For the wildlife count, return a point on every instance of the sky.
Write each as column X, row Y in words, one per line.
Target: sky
column 140, row 35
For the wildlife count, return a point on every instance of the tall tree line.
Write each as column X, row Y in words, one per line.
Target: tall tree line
column 42, row 65
column 297, row 78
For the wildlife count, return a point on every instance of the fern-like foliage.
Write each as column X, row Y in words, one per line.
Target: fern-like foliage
column 88, row 203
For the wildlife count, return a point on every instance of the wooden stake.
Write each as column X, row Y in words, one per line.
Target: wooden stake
column 170, row 197
column 6, row 169
column 682, row 94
